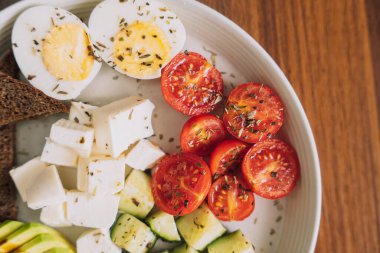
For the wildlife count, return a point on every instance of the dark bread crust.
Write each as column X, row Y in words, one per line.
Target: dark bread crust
column 8, row 65
column 6, row 146
column 20, row 101
column 8, row 197
column 8, row 205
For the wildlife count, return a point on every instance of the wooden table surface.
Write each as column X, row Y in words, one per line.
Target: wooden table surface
column 330, row 51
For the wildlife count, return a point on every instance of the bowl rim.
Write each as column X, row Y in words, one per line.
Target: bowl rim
column 265, row 57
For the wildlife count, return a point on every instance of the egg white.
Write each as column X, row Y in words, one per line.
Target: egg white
column 106, row 17
column 28, row 31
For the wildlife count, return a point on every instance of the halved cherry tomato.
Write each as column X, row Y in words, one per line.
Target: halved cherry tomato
column 191, row 85
column 200, row 134
column 253, row 112
column 180, row 183
column 271, row 168
column 227, row 156
column 231, row 199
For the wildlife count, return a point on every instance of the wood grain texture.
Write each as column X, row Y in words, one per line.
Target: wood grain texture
column 330, row 51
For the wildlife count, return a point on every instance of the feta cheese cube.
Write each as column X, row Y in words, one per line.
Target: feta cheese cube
column 57, row 154
column 96, row 151
column 144, row 155
column 100, row 175
column 26, row 174
column 82, row 173
column 81, row 113
column 55, row 215
column 96, row 241
column 68, row 177
column 122, row 123
column 73, row 135
column 128, row 170
column 86, row 210
column 46, row 189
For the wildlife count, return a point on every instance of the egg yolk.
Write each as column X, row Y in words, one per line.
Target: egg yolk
column 140, row 49
column 66, row 52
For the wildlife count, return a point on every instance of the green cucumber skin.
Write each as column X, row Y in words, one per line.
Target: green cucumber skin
column 162, row 238
column 123, row 225
column 134, row 204
column 157, row 215
column 233, row 242
column 148, row 250
column 184, row 248
column 196, row 232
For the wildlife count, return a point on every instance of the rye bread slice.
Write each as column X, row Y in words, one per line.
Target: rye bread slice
column 20, row 101
column 8, row 206
column 6, row 146
column 8, row 197
column 8, row 65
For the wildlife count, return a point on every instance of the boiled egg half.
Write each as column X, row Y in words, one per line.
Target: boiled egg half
column 136, row 37
column 53, row 49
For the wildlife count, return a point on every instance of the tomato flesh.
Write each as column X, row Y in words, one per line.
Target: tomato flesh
column 253, row 112
column 180, row 183
column 231, row 199
column 191, row 85
column 200, row 134
column 227, row 157
column 271, row 168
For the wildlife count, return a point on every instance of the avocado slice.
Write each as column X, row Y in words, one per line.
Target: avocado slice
column 57, row 250
column 44, row 242
column 8, row 227
column 234, row 242
column 24, row 234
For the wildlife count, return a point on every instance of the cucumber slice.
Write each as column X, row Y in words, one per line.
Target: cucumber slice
column 136, row 197
column 132, row 235
column 184, row 248
column 235, row 242
column 8, row 227
column 200, row 228
column 163, row 225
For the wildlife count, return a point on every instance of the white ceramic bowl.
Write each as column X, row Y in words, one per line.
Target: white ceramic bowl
column 290, row 225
